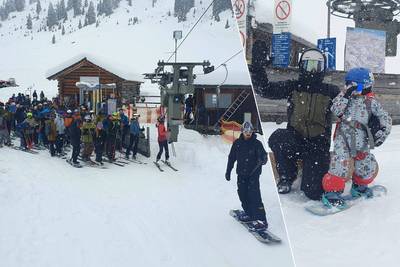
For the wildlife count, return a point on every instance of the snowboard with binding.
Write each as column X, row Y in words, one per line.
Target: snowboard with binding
column 262, row 235
column 319, row 209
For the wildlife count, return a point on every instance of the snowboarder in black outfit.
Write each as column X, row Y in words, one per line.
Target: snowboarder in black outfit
column 99, row 142
column 250, row 155
column 307, row 136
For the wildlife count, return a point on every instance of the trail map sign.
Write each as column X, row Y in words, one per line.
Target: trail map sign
column 240, row 8
column 281, row 49
column 282, row 16
column 365, row 48
column 328, row 47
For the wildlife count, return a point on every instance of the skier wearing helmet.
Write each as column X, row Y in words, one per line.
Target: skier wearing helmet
column 250, row 155
column 308, row 132
column 363, row 124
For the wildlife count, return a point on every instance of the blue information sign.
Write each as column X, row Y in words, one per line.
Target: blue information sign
column 328, row 47
column 281, row 49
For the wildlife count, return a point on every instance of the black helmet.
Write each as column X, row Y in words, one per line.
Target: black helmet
column 312, row 65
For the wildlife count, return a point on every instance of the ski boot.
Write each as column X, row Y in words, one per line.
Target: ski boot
column 257, row 225
column 284, row 186
column 333, row 200
column 361, row 191
column 244, row 218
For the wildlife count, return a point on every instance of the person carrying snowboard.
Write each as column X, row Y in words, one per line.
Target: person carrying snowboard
column 162, row 139
column 250, row 155
column 362, row 125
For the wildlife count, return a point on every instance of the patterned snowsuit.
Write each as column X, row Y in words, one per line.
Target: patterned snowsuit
column 351, row 141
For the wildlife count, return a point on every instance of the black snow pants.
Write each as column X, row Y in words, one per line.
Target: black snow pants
column 163, row 145
column 250, row 196
column 133, row 145
column 289, row 146
column 76, row 147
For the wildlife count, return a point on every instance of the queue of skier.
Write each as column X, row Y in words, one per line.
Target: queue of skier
column 41, row 125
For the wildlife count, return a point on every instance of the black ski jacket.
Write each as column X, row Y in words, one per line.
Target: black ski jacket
column 249, row 154
column 286, row 89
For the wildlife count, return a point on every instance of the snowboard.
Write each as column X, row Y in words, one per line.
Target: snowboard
column 264, row 235
column 319, row 209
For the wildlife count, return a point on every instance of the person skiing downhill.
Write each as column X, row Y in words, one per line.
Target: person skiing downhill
column 307, row 136
column 363, row 124
column 162, row 139
column 250, row 155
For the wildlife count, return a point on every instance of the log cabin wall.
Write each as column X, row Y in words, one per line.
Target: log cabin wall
column 126, row 91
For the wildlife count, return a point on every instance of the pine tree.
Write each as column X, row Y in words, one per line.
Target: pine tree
column 91, row 15
column 86, row 3
column 51, row 16
column 227, row 24
column 19, row 5
column 80, row 25
column 107, row 7
column 77, row 6
column 29, row 22
column 63, row 30
column 38, row 7
column 53, row 40
column 70, row 5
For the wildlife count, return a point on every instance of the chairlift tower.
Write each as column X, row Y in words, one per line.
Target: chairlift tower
column 174, row 85
column 371, row 14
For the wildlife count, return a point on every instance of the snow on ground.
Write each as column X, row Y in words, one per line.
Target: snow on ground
column 366, row 234
column 55, row 215
column 137, row 47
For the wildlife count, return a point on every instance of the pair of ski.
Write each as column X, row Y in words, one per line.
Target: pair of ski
column 319, row 209
column 263, row 235
column 166, row 164
column 27, row 150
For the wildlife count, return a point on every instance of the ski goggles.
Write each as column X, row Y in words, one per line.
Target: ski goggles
column 313, row 65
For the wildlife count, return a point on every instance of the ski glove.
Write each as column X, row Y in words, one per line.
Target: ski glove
column 228, row 176
column 379, row 138
column 349, row 91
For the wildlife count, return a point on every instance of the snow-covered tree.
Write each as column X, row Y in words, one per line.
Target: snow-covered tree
column 86, row 3
column 107, row 7
column 53, row 40
column 181, row 8
column 51, row 16
column 38, row 7
column 130, row 2
column 29, row 22
column 80, row 25
column 61, row 11
column 63, row 30
column 227, row 24
column 77, row 6
column 19, row 5
column 70, row 5
column 91, row 14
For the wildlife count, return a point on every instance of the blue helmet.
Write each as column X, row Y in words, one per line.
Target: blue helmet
column 363, row 77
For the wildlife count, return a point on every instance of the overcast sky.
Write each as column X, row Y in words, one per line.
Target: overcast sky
column 309, row 20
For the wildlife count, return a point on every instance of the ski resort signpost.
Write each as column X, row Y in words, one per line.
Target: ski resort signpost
column 328, row 47
column 240, row 9
column 281, row 49
column 282, row 16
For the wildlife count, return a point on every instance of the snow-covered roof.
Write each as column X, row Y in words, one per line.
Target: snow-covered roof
column 111, row 66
